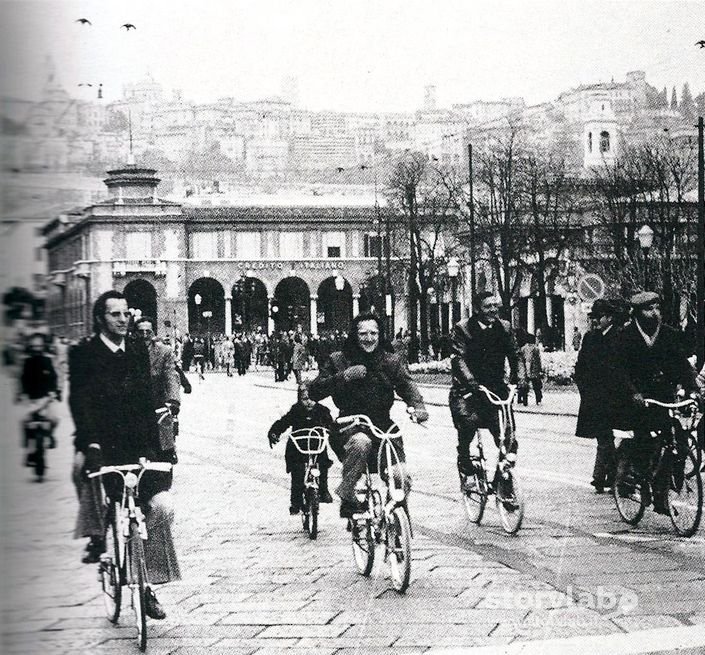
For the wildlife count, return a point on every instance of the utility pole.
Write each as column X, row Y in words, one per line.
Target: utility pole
column 700, row 269
column 413, row 291
column 472, row 228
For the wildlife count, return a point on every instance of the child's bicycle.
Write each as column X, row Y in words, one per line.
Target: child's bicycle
column 123, row 562
column 310, row 442
column 477, row 488
column 676, row 473
column 386, row 523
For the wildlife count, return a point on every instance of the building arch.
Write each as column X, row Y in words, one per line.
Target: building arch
column 335, row 307
column 212, row 299
column 142, row 295
column 292, row 299
column 249, row 305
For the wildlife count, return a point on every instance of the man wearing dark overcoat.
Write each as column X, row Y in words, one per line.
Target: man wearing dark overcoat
column 112, row 407
column 594, row 378
column 649, row 362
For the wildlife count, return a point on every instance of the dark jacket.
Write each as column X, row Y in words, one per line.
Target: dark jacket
column 478, row 355
column 374, row 394
column 38, row 377
column 299, row 418
column 652, row 371
column 594, row 377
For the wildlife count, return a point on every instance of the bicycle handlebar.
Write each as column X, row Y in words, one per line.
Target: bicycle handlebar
column 357, row 419
column 493, row 397
column 121, row 469
column 678, row 405
column 310, row 441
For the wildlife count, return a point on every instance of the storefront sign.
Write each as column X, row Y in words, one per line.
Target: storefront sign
column 288, row 265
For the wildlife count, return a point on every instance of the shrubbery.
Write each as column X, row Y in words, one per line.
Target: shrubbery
column 558, row 366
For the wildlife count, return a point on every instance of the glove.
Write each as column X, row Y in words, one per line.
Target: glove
column 174, row 407
column 273, row 438
column 356, row 372
column 421, row 415
column 94, row 458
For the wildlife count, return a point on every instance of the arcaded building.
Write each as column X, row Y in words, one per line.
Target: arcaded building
column 272, row 264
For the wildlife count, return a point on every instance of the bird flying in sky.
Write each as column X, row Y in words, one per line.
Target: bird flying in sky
column 701, row 43
column 85, row 84
column 128, row 26
column 84, row 21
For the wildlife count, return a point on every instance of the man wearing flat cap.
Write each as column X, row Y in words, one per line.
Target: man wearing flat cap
column 594, row 380
column 650, row 362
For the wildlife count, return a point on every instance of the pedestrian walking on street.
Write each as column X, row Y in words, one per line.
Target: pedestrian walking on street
column 531, row 371
column 305, row 413
column 595, row 381
column 112, row 408
column 299, row 358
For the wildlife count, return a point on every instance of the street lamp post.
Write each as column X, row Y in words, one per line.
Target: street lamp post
column 646, row 240
column 197, row 299
column 453, row 268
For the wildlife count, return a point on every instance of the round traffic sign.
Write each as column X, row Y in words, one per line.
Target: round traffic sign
column 591, row 287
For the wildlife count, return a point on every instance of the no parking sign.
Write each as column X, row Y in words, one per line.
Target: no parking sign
column 591, row 287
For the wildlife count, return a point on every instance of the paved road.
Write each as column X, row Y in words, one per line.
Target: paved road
column 253, row 583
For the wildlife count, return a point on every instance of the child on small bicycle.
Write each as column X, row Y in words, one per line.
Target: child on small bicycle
column 305, row 413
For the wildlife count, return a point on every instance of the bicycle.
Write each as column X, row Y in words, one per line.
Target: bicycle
column 38, row 428
column 310, row 442
column 123, row 562
column 477, row 488
column 385, row 523
column 677, row 468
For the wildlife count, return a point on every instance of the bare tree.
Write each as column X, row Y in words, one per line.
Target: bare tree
column 429, row 223
column 650, row 184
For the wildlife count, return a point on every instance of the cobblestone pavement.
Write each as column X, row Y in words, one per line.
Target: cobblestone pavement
column 253, row 583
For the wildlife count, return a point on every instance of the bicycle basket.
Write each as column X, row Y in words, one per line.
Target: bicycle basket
column 310, row 441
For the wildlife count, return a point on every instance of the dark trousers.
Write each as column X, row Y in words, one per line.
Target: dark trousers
column 523, row 392
column 469, row 415
column 605, row 461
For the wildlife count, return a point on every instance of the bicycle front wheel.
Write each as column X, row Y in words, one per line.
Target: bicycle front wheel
column 138, row 575
column 474, row 493
column 110, row 574
column 627, row 492
column 312, row 507
column 510, row 502
column 363, row 545
column 399, row 548
column 685, row 496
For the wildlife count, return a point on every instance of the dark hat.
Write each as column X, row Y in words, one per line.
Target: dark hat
column 644, row 298
column 602, row 307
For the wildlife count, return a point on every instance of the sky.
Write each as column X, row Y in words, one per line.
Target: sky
column 351, row 55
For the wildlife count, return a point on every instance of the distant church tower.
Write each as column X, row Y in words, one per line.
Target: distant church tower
column 599, row 134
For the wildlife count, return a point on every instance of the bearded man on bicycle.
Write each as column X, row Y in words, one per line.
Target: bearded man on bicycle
column 649, row 362
column 480, row 345
column 110, row 397
column 362, row 379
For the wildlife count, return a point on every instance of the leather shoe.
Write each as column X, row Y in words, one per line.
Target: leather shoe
column 152, row 607
column 350, row 507
column 94, row 549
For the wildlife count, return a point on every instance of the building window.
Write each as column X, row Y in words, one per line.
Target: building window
column 604, row 141
column 291, row 245
column 204, row 245
column 333, row 241
column 372, row 245
column 138, row 245
column 589, row 141
column 248, row 245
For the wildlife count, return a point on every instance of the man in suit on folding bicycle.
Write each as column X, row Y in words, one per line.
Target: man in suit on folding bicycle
column 480, row 346
column 111, row 403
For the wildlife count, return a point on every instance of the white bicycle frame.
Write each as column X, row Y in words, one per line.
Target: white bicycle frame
column 310, row 442
column 397, row 493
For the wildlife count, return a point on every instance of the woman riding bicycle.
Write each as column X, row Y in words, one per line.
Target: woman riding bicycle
column 362, row 379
